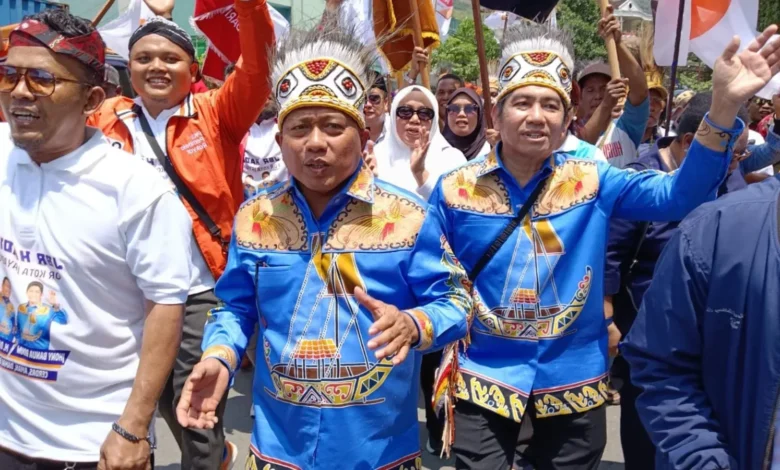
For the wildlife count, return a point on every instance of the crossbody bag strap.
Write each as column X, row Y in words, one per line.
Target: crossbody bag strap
column 504, row 235
column 181, row 187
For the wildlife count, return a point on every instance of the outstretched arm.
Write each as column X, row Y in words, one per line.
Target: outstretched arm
column 241, row 99
column 654, row 196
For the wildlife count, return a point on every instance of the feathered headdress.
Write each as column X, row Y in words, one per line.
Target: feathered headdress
column 653, row 73
column 537, row 54
column 327, row 66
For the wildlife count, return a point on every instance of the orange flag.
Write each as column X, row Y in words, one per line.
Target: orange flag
column 395, row 17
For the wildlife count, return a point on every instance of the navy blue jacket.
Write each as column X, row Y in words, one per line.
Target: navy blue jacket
column 624, row 237
column 705, row 347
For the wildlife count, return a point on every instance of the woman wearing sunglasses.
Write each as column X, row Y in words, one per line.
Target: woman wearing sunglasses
column 464, row 127
column 415, row 154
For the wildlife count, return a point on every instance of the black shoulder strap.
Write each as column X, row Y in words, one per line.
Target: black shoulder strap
column 504, row 235
column 181, row 187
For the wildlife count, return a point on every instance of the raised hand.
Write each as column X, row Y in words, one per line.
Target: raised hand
column 420, row 150
column 393, row 332
column 419, row 60
column 493, row 137
column 202, row 393
column 370, row 158
column 610, row 26
column 738, row 76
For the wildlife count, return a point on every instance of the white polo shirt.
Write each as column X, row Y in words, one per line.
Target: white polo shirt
column 84, row 240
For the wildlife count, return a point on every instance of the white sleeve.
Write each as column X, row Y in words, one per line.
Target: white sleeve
column 159, row 250
column 769, row 170
column 445, row 161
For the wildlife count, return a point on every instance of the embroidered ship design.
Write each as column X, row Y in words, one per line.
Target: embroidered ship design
column 335, row 368
column 523, row 315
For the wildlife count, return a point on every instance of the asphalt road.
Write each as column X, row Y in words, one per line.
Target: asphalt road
column 238, row 427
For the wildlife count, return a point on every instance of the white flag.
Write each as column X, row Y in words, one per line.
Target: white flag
column 116, row 34
column 708, row 27
column 443, row 9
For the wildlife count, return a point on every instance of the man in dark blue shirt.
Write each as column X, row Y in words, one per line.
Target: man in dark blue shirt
column 632, row 253
column 704, row 348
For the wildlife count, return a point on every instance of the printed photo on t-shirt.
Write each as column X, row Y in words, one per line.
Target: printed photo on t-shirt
column 30, row 319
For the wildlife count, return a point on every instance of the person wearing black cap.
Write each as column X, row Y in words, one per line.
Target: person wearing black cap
column 98, row 299
column 194, row 140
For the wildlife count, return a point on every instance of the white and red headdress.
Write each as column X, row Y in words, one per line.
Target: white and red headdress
column 537, row 54
column 327, row 67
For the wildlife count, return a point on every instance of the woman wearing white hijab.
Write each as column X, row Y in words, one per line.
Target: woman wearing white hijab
column 403, row 158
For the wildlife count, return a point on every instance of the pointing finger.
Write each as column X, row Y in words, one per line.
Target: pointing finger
column 367, row 301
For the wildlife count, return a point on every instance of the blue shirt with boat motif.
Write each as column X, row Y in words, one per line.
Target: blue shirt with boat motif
column 538, row 337
column 322, row 400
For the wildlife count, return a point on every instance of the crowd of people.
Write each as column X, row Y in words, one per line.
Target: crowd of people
column 523, row 262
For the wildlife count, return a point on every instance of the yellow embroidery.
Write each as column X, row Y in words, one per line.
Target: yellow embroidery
column 463, row 189
column 222, row 352
column 390, row 223
column 363, row 186
column 581, row 397
column 517, row 406
column 458, row 282
column 488, row 396
column 550, row 405
column 426, row 328
column 587, row 399
column 462, row 391
column 271, row 222
column 574, row 182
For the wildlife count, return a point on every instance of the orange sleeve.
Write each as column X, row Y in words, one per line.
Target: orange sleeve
column 242, row 97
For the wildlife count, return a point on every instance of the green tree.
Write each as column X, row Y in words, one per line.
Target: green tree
column 459, row 51
column 695, row 76
column 580, row 18
column 768, row 13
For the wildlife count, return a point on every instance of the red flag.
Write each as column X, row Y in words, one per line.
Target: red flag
column 217, row 20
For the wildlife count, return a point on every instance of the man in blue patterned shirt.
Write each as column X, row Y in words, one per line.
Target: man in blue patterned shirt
column 538, row 343
column 349, row 278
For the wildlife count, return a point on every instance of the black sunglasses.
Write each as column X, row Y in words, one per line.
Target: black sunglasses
column 468, row 109
column 406, row 113
column 39, row 82
column 375, row 99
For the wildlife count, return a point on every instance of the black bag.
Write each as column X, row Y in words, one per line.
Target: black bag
column 181, row 187
column 504, row 235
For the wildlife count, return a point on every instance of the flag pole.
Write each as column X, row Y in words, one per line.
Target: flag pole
column 503, row 34
column 673, row 84
column 484, row 76
column 418, row 40
column 99, row 17
column 614, row 65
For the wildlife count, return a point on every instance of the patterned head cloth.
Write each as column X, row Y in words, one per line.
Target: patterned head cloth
column 89, row 49
column 326, row 67
column 539, row 55
column 655, row 81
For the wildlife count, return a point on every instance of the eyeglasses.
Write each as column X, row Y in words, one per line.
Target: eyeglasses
column 469, row 109
column 375, row 99
column 406, row 113
column 762, row 102
column 39, row 82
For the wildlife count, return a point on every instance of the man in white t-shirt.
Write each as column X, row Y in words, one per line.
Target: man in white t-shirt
column 94, row 257
column 263, row 164
column 194, row 142
column 621, row 140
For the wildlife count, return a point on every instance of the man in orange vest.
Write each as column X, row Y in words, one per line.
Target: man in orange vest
column 193, row 140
